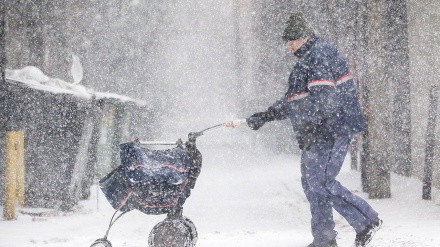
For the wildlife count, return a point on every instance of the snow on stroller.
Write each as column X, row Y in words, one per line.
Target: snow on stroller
column 157, row 182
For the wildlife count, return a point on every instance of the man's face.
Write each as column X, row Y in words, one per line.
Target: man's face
column 294, row 45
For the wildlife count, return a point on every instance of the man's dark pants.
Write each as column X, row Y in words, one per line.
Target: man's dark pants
column 319, row 167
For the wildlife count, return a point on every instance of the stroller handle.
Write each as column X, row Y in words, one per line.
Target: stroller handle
column 158, row 142
column 231, row 124
column 192, row 136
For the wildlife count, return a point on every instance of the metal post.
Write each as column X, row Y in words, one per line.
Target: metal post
column 20, row 169
column 14, row 173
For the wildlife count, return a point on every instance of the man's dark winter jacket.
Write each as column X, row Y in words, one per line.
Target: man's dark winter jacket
column 321, row 100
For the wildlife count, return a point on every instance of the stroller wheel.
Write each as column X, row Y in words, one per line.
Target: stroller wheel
column 179, row 232
column 102, row 242
column 192, row 229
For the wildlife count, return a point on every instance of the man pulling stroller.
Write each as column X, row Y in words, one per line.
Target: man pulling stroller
column 324, row 110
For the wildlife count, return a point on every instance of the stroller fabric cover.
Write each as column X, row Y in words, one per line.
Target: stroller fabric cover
column 152, row 181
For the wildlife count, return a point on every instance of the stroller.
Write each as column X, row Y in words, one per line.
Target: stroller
column 157, row 182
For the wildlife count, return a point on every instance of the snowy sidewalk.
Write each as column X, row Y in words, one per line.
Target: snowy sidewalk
column 240, row 199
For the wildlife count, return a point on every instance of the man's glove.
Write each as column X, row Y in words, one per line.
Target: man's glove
column 258, row 119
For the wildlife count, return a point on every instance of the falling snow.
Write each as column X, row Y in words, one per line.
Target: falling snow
column 84, row 76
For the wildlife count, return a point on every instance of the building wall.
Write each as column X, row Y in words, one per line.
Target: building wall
column 424, row 49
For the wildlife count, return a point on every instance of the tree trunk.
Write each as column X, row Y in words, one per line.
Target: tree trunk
column 398, row 67
column 380, row 108
column 2, row 41
column 430, row 143
column 34, row 34
column 3, row 85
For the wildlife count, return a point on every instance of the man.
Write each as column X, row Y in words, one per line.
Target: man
column 324, row 110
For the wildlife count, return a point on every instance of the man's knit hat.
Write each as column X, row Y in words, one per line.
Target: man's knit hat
column 297, row 28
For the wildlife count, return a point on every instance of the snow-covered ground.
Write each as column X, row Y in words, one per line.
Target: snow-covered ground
column 243, row 197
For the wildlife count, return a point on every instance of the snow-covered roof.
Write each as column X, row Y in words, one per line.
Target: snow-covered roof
column 34, row 78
